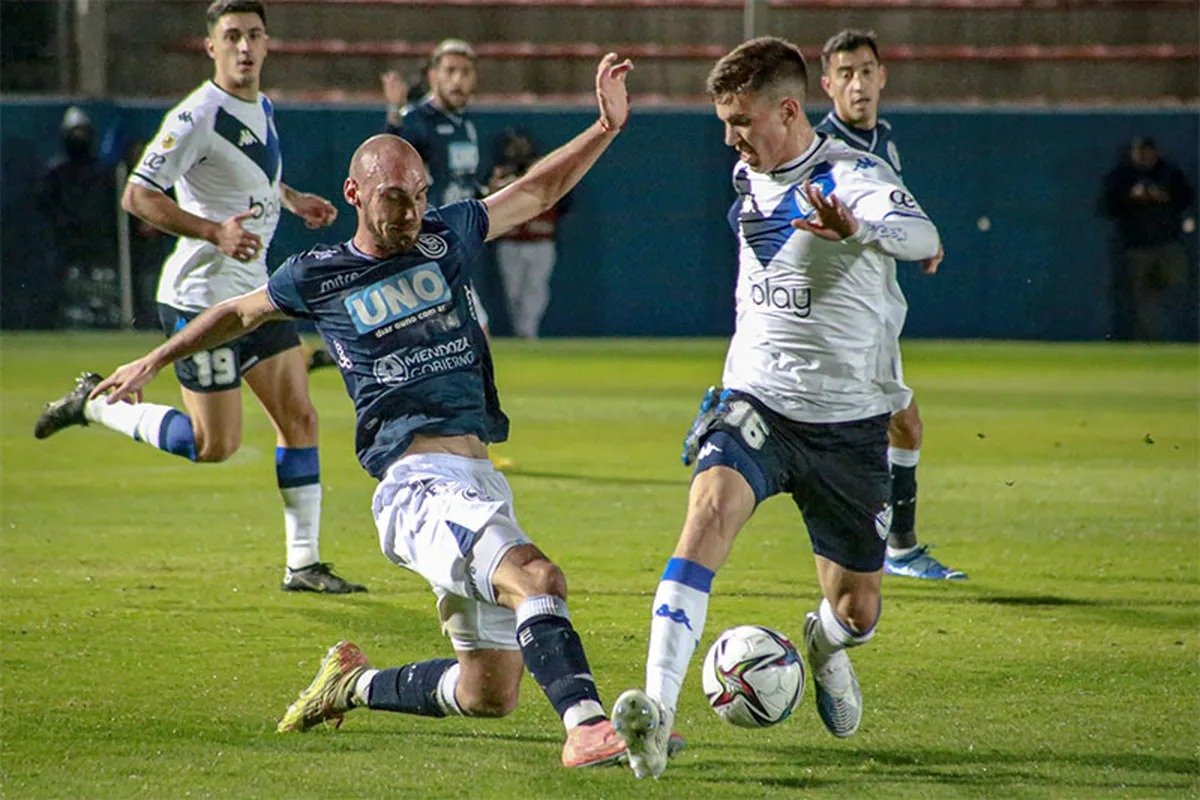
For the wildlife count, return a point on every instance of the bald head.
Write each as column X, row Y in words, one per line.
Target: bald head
column 384, row 154
column 387, row 185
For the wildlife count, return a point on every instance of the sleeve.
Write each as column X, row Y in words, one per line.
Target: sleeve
column 284, row 291
column 890, row 219
column 181, row 141
column 468, row 219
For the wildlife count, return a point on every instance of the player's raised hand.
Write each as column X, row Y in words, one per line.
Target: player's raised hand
column 610, row 92
column 126, row 382
column 834, row 221
column 237, row 242
column 395, row 90
column 316, row 211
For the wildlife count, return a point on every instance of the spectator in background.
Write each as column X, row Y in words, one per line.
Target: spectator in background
column 526, row 254
column 77, row 195
column 1147, row 198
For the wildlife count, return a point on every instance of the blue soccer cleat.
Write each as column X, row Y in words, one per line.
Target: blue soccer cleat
column 919, row 564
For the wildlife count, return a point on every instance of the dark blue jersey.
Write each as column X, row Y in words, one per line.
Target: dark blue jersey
column 877, row 141
column 449, row 147
column 403, row 333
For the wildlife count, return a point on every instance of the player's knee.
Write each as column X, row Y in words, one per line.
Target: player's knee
column 488, row 700
column 215, row 449
column 858, row 611
column 543, row 576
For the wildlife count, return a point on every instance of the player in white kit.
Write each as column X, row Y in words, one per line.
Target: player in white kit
column 219, row 149
column 811, row 378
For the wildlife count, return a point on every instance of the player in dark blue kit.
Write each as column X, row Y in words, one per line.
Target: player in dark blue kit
column 854, row 78
column 439, row 128
column 392, row 307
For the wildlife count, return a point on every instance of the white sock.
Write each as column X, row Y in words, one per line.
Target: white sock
column 900, row 552
column 142, row 422
column 833, row 635
column 903, row 458
column 678, row 615
column 362, row 687
column 447, row 684
column 302, row 524
column 581, row 712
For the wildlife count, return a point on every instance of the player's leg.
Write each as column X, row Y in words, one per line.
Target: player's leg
column 539, row 267
column 510, row 263
column 844, row 498
column 905, row 556
column 279, row 379
column 734, row 460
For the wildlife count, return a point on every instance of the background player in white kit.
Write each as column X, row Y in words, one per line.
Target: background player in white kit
column 853, row 77
column 811, row 378
column 219, row 150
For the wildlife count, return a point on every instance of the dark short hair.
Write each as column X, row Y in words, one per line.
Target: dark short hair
column 848, row 41
column 219, row 8
column 765, row 64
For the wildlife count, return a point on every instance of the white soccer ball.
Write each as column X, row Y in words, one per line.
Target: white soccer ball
column 752, row 676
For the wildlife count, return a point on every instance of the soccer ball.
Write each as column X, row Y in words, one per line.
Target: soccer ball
column 752, row 676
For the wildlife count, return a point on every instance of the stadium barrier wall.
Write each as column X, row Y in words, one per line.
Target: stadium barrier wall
column 646, row 250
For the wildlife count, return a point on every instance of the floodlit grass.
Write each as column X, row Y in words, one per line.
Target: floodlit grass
column 148, row 650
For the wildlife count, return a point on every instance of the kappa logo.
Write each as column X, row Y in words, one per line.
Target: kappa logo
column 676, row 615
column 246, row 138
column 184, row 116
column 883, row 521
column 707, row 450
column 863, row 163
column 432, row 245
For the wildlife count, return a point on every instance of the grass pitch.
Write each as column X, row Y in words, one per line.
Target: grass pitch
column 148, row 650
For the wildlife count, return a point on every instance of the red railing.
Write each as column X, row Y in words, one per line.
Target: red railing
column 710, row 52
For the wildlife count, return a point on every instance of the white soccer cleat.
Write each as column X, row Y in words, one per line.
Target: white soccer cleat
column 839, row 696
column 645, row 726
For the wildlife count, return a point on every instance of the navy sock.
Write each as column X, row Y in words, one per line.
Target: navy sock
column 904, row 507
column 554, row 654
column 411, row 689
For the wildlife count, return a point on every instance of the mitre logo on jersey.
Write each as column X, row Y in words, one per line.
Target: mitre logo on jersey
column 432, row 245
column 398, row 300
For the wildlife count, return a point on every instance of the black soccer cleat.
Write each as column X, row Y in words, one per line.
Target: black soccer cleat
column 67, row 410
column 318, row 577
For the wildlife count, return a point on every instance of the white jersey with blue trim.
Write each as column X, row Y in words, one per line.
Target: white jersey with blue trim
column 221, row 154
column 818, row 322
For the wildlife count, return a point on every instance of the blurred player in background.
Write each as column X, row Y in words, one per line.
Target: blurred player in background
column 811, row 379
column 392, row 306
column 219, row 150
column 854, row 78
column 525, row 255
column 438, row 127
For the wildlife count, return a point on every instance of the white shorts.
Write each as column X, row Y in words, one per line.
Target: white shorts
column 450, row 519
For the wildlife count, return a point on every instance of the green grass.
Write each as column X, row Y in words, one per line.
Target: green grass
column 147, row 650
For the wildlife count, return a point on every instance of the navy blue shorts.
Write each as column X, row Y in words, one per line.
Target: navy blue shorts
column 837, row 474
column 223, row 367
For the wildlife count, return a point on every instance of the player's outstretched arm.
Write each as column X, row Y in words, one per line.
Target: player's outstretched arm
column 212, row 327
column 550, row 179
column 316, row 211
column 890, row 222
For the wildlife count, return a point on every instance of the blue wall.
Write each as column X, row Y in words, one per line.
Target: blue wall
column 646, row 249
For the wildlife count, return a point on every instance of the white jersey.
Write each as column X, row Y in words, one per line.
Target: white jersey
column 221, row 153
column 818, row 322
